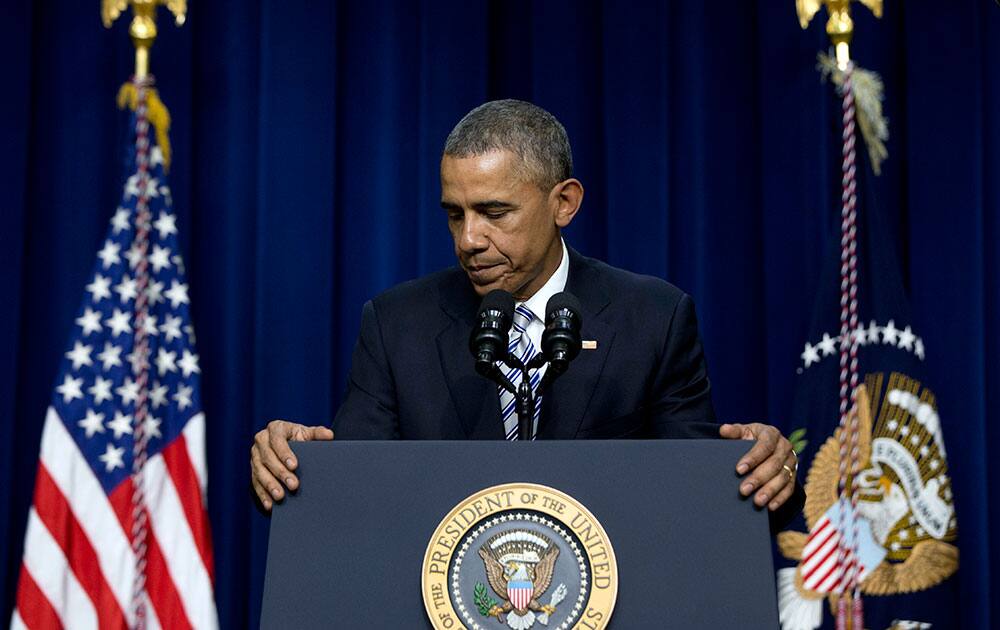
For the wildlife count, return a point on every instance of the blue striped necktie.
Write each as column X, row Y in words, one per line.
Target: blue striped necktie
column 522, row 347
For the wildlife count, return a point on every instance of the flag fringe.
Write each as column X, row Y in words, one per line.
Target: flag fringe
column 869, row 92
column 156, row 112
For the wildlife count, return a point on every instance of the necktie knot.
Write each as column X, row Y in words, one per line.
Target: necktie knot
column 522, row 318
column 519, row 329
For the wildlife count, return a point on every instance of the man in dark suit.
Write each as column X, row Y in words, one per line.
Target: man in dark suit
column 507, row 189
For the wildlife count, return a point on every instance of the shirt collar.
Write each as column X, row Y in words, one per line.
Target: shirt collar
column 556, row 283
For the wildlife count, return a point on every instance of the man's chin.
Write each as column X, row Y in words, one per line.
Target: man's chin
column 482, row 289
column 487, row 279
column 482, row 286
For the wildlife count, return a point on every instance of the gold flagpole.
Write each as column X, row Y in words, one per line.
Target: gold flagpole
column 142, row 30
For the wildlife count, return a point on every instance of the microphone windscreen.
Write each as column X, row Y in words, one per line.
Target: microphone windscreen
column 498, row 300
column 560, row 301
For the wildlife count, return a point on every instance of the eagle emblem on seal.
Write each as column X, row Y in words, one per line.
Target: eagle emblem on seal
column 519, row 568
column 906, row 516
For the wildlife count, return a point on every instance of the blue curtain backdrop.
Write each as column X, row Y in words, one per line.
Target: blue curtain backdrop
column 307, row 138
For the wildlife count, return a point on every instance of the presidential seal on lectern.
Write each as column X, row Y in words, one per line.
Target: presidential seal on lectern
column 517, row 555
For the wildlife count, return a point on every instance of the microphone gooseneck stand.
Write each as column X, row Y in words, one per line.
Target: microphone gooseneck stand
column 525, row 399
column 560, row 344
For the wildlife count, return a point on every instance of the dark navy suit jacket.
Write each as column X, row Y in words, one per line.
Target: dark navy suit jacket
column 413, row 376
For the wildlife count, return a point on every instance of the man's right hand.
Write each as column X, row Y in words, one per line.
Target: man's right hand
column 272, row 461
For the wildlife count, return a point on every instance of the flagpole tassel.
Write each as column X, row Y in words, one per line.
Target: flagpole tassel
column 156, row 113
column 868, row 92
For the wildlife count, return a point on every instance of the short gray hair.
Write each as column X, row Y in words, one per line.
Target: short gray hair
column 526, row 130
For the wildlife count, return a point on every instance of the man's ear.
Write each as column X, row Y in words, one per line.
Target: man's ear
column 565, row 199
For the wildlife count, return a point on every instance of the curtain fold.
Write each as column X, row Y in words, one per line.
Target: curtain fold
column 306, row 145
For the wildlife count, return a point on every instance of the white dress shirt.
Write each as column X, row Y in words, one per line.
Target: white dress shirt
column 537, row 302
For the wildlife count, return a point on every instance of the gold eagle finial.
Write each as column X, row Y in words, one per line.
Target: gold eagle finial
column 143, row 26
column 840, row 26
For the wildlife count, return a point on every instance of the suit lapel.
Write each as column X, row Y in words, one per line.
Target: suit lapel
column 566, row 403
column 475, row 398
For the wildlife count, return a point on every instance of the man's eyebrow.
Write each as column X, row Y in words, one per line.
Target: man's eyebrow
column 481, row 206
column 492, row 204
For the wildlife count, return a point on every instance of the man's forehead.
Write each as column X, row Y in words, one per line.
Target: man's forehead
column 498, row 163
column 490, row 173
column 488, row 161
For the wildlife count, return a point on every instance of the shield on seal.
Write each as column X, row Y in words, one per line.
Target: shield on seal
column 520, row 592
column 520, row 589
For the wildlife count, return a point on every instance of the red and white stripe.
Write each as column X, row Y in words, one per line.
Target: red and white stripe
column 79, row 567
column 827, row 566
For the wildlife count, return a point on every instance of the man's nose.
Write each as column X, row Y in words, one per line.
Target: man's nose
column 472, row 237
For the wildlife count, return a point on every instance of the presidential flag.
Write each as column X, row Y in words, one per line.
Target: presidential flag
column 897, row 540
column 118, row 532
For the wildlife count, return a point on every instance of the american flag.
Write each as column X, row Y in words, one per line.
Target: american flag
column 118, row 533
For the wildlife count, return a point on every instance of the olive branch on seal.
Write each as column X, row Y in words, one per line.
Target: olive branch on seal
column 483, row 601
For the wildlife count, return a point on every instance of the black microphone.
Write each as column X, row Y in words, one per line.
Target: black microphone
column 561, row 340
column 491, row 333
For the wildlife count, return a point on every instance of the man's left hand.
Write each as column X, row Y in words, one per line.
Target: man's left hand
column 769, row 466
